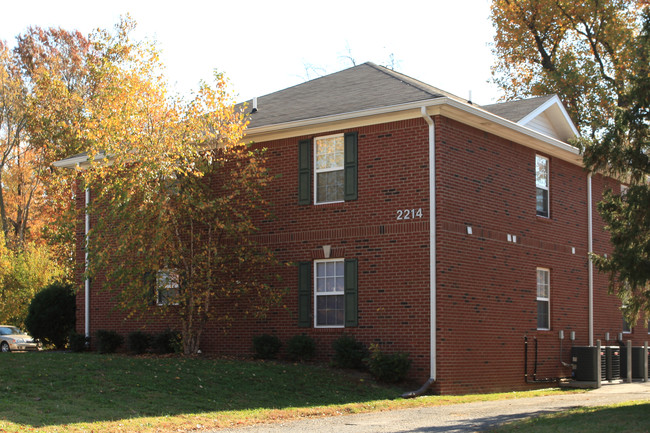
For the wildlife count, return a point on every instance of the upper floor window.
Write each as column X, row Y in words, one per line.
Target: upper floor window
column 543, row 299
column 541, row 182
column 328, row 160
column 333, row 168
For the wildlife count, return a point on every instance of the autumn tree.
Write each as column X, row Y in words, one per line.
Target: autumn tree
column 14, row 115
column 174, row 195
column 623, row 152
column 44, row 87
column 583, row 51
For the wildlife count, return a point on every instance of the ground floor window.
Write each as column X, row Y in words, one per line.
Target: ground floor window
column 543, row 299
column 329, row 291
column 167, row 287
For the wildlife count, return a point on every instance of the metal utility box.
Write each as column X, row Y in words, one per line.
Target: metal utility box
column 584, row 360
column 637, row 362
column 612, row 367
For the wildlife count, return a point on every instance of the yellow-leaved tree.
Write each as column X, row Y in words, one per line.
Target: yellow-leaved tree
column 175, row 194
column 583, row 51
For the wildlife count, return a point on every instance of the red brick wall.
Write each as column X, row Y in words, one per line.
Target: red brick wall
column 486, row 291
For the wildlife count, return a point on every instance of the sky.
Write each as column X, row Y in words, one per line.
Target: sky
column 265, row 46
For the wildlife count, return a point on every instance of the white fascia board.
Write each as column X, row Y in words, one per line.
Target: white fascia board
column 555, row 100
column 469, row 114
column 542, row 142
column 76, row 162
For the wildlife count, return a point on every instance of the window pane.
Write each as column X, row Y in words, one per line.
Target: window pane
column 329, row 310
column 330, row 186
column 329, row 152
column 542, row 315
column 542, row 202
column 541, row 171
column 542, row 283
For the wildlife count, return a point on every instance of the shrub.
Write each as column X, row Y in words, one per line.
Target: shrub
column 138, row 342
column 51, row 314
column 349, row 353
column 388, row 367
column 108, row 341
column 167, row 341
column 266, row 346
column 77, row 342
column 301, row 348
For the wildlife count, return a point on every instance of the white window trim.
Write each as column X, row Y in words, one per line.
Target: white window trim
column 547, row 188
column 316, row 295
column 547, row 300
column 170, row 286
column 325, row 170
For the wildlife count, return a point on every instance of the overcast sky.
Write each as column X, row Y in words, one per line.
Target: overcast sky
column 264, row 46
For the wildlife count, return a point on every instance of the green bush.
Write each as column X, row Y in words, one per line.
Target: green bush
column 167, row 341
column 108, row 341
column 138, row 342
column 266, row 346
column 388, row 367
column 349, row 353
column 77, row 342
column 301, row 348
column 51, row 314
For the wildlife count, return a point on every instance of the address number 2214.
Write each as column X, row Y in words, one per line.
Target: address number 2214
column 409, row 214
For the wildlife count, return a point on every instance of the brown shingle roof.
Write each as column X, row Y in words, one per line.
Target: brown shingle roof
column 516, row 110
column 363, row 87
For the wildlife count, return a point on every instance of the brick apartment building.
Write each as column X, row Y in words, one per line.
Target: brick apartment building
column 427, row 224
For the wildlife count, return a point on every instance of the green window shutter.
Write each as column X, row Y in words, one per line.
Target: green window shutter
column 304, row 172
column 350, row 166
column 304, row 294
column 351, row 293
column 149, row 280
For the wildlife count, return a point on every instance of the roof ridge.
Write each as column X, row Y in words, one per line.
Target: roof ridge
column 420, row 85
column 514, row 101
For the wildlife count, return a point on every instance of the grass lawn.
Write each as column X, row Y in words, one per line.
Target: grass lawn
column 631, row 417
column 72, row 392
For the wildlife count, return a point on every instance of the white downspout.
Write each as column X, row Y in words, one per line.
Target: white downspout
column 590, row 242
column 432, row 254
column 87, row 281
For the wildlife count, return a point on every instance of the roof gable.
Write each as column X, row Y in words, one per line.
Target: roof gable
column 545, row 114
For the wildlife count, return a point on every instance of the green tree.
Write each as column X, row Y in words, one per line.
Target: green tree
column 583, row 51
column 51, row 314
column 22, row 274
column 175, row 205
column 623, row 152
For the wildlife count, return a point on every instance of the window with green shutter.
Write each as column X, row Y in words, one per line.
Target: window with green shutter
column 335, row 169
column 335, row 293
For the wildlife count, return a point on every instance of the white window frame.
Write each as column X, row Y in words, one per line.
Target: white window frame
column 318, row 171
column 546, row 187
column 322, row 294
column 173, row 284
column 546, row 299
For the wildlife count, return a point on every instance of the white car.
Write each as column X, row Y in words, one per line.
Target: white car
column 12, row 338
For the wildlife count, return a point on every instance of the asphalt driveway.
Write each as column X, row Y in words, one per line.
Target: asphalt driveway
column 467, row 417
